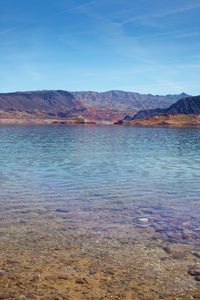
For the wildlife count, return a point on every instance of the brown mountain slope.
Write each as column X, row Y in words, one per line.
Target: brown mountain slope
column 125, row 101
column 40, row 101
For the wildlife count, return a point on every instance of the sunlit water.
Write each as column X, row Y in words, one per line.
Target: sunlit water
column 150, row 172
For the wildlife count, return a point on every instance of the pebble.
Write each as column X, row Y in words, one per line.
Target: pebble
column 197, row 278
column 22, row 297
column 62, row 210
column 2, row 273
column 81, row 281
column 35, row 278
column 143, row 219
column 63, row 277
column 194, row 271
column 196, row 254
column 167, row 249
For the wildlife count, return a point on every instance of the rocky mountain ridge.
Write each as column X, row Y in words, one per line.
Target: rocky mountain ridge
column 185, row 112
column 58, row 104
column 186, row 106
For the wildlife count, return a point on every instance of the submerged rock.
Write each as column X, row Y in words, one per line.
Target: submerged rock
column 2, row 273
column 62, row 210
column 81, row 281
column 197, row 278
column 143, row 219
column 195, row 271
column 196, row 254
column 177, row 251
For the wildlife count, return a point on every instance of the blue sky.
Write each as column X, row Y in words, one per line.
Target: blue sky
column 147, row 46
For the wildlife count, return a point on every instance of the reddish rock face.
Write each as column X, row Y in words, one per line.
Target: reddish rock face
column 53, row 105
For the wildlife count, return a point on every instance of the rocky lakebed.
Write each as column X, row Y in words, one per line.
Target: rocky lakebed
column 115, row 252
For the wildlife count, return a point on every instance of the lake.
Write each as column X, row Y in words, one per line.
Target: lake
column 99, row 212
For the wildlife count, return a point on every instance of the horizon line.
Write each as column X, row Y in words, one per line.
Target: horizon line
column 94, row 91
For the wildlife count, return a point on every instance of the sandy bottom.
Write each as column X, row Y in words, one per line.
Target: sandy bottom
column 55, row 253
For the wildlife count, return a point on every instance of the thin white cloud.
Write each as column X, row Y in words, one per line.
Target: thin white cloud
column 161, row 14
column 171, row 35
column 115, row 37
column 77, row 7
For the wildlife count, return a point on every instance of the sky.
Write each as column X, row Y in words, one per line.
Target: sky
column 145, row 46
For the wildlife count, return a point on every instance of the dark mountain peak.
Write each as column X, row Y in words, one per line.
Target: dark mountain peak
column 184, row 95
column 186, row 106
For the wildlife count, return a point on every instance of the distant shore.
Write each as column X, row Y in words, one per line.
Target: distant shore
column 156, row 121
column 164, row 120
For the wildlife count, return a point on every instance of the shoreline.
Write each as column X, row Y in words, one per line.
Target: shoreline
column 72, row 122
column 160, row 121
column 50, row 254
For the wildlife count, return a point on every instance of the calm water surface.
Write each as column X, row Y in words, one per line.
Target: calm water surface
column 94, row 168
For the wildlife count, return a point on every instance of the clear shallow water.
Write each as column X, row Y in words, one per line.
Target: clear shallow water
column 97, row 168
column 116, row 208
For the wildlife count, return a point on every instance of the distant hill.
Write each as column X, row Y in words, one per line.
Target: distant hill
column 188, row 105
column 147, row 113
column 185, row 112
column 164, row 120
column 47, row 102
column 107, row 106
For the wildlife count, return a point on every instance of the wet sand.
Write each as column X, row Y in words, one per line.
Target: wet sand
column 111, row 251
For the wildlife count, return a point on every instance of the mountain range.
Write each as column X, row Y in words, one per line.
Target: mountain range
column 94, row 106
